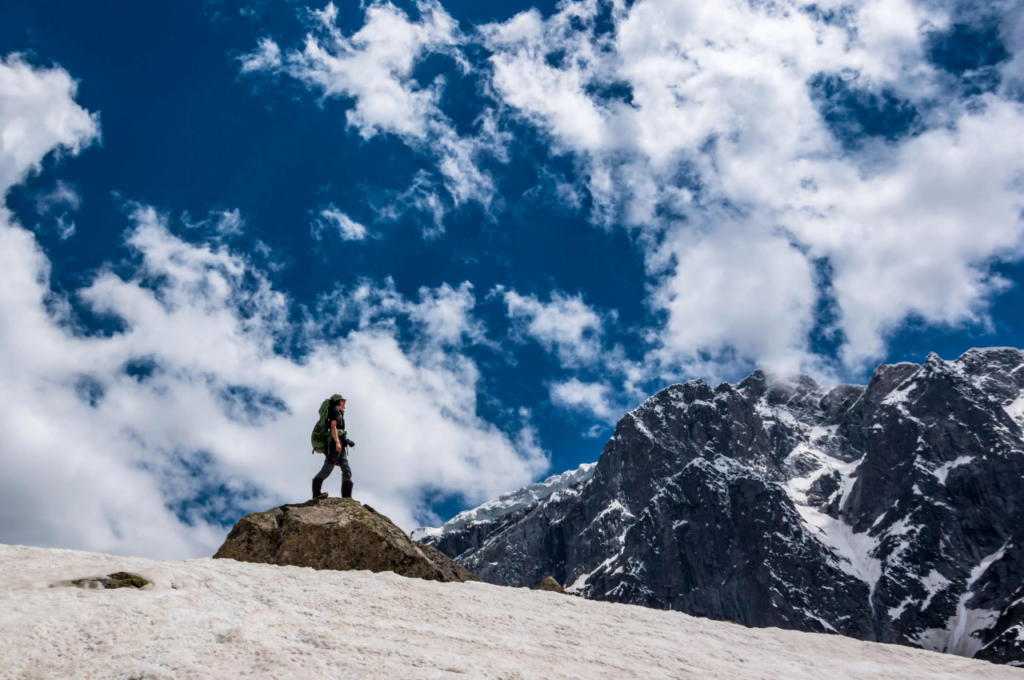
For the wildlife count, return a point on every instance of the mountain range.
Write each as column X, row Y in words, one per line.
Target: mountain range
column 891, row 512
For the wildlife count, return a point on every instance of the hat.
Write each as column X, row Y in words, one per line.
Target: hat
column 337, row 397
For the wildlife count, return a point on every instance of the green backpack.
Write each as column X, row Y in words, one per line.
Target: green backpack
column 322, row 430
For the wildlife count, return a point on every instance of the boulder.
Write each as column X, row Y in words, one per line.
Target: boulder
column 336, row 533
column 550, row 584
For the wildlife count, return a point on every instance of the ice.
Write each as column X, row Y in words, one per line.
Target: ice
column 510, row 502
column 225, row 619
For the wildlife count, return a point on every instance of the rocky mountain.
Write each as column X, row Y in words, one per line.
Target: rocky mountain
column 891, row 512
column 339, row 534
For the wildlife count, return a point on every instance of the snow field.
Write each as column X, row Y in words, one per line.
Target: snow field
column 219, row 618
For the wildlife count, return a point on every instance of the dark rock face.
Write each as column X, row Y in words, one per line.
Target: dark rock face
column 336, row 533
column 890, row 512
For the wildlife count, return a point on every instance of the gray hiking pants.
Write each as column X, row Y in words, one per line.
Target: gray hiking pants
column 339, row 458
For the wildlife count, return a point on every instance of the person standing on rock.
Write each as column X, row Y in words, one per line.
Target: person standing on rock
column 337, row 450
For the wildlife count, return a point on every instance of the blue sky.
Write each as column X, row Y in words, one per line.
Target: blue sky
column 494, row 227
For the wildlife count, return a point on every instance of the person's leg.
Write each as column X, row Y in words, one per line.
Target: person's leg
column 346, row 475
column 324, row 473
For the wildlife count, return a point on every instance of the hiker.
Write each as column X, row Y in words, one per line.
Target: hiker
column 336, row 450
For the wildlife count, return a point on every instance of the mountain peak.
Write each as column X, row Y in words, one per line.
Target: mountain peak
column 890, row 512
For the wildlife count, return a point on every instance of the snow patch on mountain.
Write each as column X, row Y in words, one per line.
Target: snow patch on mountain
column 511, row 502
column 1015, row 409
column 934, row 582
column 853, row 551
column 943, row 470
column 865, row 508
column 959, row 636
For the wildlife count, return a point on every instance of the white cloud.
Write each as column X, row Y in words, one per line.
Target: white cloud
column 140, row 440
column 266, row 57
column 566, row 325
column 592, row 399
column 347, row 228
column 747, row 206
column 229, row 222
column 443, row 316
column 374, row 67
column 219, row 224
column 220, row 411
column 38, row 115
column 58, row 202
column 65, row 227
column 62, row 198
column 420, row 197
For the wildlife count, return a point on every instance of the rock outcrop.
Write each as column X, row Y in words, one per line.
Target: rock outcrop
column 891, row 512
column 551, row 585
column 336, row 533
column 120, row 579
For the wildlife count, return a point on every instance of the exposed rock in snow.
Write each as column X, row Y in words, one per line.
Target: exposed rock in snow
column 226, row 619
column 551, row 585
column 892, row 511
column 336, row 533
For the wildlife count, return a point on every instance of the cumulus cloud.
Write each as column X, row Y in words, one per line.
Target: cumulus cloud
column 188, row 411
column 772, row 158
column 38, row 115
column 565, row 325
column 374, row 67
column 592, row 399
column 347, row 228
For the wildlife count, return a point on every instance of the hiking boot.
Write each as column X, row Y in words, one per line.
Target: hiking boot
column 323, row 494
column 346, row 489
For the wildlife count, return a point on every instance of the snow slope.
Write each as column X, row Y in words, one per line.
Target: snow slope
column 219, row 618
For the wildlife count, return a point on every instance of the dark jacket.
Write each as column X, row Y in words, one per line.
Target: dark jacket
column 338, row 415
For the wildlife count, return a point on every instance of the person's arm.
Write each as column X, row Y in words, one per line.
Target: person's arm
column 334, row 433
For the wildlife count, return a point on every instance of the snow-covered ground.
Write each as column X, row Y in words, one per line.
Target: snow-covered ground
column 219, row 618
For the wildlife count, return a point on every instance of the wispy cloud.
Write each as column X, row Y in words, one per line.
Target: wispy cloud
column 347, row 228
column 58, row 203
column 374, row 67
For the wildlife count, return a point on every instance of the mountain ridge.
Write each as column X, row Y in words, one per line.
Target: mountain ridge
column 887, row 512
